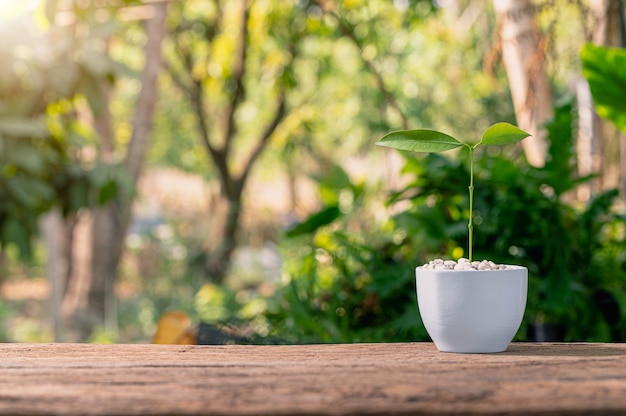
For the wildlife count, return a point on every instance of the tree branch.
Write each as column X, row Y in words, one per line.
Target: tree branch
column 185, row 56
column 155, row 29
column 347, row 31
column 178, row 80
column 239, row 69
column 279, row 115
column 194, row 89
column 217, row 155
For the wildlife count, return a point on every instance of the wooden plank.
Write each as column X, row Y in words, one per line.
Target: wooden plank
column 404, row 378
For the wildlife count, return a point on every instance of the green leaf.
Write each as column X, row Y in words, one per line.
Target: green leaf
column 560, row 171
column 424, row 141
column 605, row 70
column 78, row 195
column 502, row 133
column 323, row 217
column 332, row 183
column 13, row 231
column 107, row 192
column 18, row 188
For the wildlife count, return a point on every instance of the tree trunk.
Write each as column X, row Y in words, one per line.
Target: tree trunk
column 57, row 270
column 110, row 222
column 523, row 50
column 604, row 21
column 620, row 26
column 146, row 102
column 591, row 128
column 588, row 145
column 79, row 236
column 105, row 236
column 89, row 301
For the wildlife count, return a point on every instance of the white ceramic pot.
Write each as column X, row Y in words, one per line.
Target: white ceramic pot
column 472, row 311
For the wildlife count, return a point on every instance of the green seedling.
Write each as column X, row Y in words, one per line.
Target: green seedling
column 431, row 141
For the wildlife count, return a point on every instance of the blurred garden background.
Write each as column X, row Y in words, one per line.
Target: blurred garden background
column 211, row 163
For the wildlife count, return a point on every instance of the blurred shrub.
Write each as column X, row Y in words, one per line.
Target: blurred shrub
column 348, row 280
column 343, row 289
column 345, row 280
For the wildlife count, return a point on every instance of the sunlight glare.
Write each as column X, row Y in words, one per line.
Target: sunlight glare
column 11, row 9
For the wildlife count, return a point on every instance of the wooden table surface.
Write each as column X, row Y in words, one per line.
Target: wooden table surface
column 403, row 378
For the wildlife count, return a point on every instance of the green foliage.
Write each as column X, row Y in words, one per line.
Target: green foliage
column 345, row 289
column 344, row 285
column 336, row 104
column 41, row 140
column 323, row 217
column 348, row 286
column 38, row 174
column 334, row 98
column 605, row 69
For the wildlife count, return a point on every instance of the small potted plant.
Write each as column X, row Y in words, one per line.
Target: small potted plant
column 467, row 306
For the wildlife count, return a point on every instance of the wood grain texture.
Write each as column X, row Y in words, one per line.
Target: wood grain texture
column 404, row 378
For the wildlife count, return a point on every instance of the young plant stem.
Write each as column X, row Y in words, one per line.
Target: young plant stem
column 430, row 141
column 470, row 224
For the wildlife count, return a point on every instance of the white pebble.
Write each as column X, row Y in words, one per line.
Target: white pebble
column 463, row 264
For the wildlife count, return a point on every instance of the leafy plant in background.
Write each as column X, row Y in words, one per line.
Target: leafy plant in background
column 428, row 141
column 38, row 173
column 576, row 255
column 348, row 283
column 40, row 138
column 605, row 70
column 342, row 289
column 344, row 282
